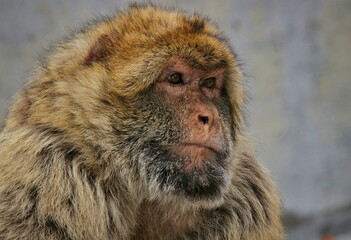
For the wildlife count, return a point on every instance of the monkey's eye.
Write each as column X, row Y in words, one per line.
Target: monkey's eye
column 209, row 83
column 175, row 78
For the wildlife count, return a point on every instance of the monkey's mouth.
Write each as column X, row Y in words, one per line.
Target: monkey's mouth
column 197, row 154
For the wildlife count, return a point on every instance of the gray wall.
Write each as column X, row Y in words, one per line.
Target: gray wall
column 297, row 55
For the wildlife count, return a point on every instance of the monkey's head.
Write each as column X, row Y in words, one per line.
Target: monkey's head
column 162, row 89
column 185, row 111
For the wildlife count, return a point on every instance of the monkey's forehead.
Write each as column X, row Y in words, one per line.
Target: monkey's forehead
column 152, row 20
column 148, row 31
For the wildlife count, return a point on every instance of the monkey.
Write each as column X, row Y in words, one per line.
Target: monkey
column 133, row 127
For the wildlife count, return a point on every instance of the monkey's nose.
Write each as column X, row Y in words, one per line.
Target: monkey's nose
column 203, row 119
column 203, row 127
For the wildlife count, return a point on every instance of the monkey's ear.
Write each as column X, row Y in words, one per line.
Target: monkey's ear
column 100, row 50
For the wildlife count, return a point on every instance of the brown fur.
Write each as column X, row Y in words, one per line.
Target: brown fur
column 63, row 172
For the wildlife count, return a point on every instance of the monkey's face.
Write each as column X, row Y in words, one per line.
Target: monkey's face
column 183, row 144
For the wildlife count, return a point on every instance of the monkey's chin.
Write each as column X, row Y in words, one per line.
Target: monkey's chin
column 193, row 188
column 200, row 178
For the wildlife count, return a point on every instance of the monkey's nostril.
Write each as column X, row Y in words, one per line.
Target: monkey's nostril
column 203, row 120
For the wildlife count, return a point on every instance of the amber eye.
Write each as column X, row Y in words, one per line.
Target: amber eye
column 209, row 83
column 175, row 78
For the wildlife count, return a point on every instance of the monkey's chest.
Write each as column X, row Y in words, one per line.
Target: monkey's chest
column 160, row 223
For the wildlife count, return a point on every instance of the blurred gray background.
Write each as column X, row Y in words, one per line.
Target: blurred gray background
column 297, row 54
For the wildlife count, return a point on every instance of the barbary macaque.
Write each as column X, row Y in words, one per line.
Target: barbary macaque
column 133, row 128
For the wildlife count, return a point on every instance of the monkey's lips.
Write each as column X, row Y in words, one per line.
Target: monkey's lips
column 197, row 154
